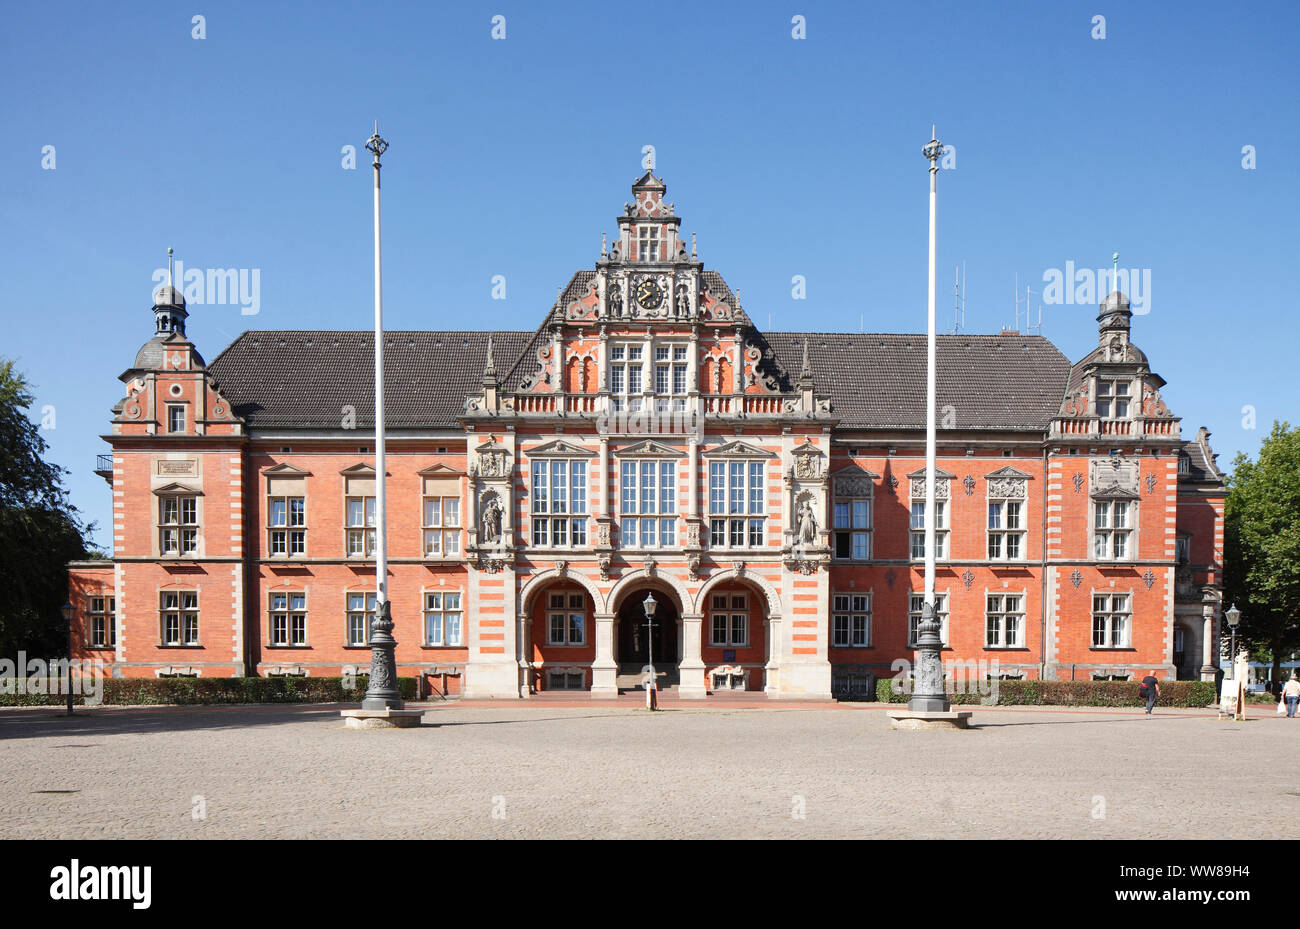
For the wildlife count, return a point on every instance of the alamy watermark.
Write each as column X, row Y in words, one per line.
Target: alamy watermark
column 83, row 678
column 240, row 287
column 959, row 677
column 1088, row 287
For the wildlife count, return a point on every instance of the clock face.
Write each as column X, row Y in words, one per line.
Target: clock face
column 649, row 294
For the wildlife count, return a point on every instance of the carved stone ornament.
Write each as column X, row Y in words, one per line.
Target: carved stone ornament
column 490, row 519
column 1076, row 578
column 807, row 533
column 1148, row 579
column 893, row 484
column 1012, row 488
column 1078, row 481
column 602, row 534
column 737, row 569
column 1114, row 474
column 562, row 569
column 1151, row 483
column 650, row 566
column 693, row 565
column 940, row 488
column 693, row 534
column 853, row 486
column 967, row 578
column 603, row 559
column 969, row 483
column 491, row 463
column 890, row 576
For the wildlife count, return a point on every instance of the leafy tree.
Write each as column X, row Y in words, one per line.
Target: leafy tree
column 1262, row 545
column 40, row 530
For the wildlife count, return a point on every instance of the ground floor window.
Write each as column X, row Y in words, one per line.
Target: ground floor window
column 1110, row 621
column 851, row 621
column 847, row 683
column 180, row 617
column 289, row 618
column 102, row 628
column 442, row 618
column 566, row 619
column 1005, row 621
column 361, row 615
column 915, row 604
column 729, row 624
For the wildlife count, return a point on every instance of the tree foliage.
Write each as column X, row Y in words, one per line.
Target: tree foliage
column 1262, row 545
column 40, row 530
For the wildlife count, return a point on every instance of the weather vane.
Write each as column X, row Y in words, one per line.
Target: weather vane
column 375, row 145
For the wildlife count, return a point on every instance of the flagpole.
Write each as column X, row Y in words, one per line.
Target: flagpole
column 928, row 693
column 381, row 692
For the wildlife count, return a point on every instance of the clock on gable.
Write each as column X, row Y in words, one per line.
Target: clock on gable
column 649, row 294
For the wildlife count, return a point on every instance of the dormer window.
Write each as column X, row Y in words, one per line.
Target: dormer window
column 175, row 418
column 670, row 377
column 625, row 360
column 1112, row 398
column 648, row 244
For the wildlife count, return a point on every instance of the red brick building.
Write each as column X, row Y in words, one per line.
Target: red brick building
column 648, row 438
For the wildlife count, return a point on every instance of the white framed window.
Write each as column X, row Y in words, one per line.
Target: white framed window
column 1004, row 621
column 851, row 621
column 179, row 611
column 286, row 519
column 443, row 618
column 288, row 618
column 178, row 525
column 648, row 243
column 729, row 620
column 915, row 602
column 360, row 616
column 566, row 619
column 736, row 509
column 441, row 527
column 670, row 371
column 559, row 502
column 1113, row 530
column 852, row 528
column 647, row 503
column 1111, row 621
column 940, row 530
column 625, row 374
column 101, row 627
column 359, row 535
column 175, row 418
column 1006, row 530
column 1112, row 398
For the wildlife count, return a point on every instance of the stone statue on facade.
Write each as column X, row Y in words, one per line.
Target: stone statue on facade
column 491, row 520
column 807, row 524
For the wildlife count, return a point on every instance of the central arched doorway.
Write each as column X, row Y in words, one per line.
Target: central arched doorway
column 632, row 643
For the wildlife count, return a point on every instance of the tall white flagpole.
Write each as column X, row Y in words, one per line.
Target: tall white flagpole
column 382, row 691
column 928, row 692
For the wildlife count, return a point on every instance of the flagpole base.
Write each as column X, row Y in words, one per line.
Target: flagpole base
column 920, row 719
column 381, row 719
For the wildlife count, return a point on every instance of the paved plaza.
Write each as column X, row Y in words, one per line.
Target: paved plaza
column 600, row 771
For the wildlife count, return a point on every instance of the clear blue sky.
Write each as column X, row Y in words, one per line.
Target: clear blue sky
column 787, row 157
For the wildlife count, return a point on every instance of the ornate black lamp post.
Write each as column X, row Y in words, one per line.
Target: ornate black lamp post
column 67, row 611
column 651, row 700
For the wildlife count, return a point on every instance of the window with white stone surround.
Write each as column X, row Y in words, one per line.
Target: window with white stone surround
column 729, row 620
column 566, row 619
column 1113, row 530
column 851, row 620
column 101, row 629
column 1007, row 516
column 1112, row 398
column 737, row 508
column 915, row 604
column 917, row 520
column 1004, row 621
column 178, row 524
column 179, row 617
column 625, row 374
column 1112, row 620
column 647, row 503
column 559, row 502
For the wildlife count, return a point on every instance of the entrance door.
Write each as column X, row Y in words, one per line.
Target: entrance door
column 632, row 643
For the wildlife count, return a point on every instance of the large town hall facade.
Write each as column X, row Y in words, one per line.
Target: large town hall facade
column 648, row 438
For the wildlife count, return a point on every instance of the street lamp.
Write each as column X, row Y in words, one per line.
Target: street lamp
column 67, row 617
column 650, row 604
column 1233, row 616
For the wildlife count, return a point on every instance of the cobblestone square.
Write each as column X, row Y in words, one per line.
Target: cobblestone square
column 571, row 771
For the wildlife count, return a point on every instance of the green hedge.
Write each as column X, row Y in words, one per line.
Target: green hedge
column 191, row 691
column 1074, row 693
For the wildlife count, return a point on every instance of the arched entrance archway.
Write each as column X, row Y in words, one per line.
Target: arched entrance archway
column 632, row 639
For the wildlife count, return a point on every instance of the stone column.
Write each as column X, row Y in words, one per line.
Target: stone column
column 602, row 499
column 690, row 671
column 772, row 670
column 1208, row 669
column 524, row 646
column 604, row 669
column 693, row 479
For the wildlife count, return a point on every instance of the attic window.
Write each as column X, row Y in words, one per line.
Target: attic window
column 1184, row 465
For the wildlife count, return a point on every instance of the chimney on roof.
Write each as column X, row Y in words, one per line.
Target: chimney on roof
column 805, row 380
column 1006, row 331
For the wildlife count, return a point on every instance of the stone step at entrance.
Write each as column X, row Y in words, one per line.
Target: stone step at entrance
column 629, row 677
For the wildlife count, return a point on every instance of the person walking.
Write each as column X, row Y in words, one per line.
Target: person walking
column 1149, row 689
column 1291, row 694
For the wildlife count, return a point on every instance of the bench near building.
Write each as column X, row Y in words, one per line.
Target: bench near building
column 766, row 487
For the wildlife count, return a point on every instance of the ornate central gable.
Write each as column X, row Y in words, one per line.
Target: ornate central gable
column 559, row 449
column 737, row 449
column 649, row 449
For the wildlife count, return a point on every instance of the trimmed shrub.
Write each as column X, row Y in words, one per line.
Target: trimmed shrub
column 205, row 691
column 1074, row 693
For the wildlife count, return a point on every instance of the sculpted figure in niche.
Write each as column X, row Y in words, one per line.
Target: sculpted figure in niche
column 807, row 524
column 491, row 520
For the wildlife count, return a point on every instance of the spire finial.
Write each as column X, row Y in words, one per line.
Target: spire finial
column 602, row 244
column 375, row 145
column 1115, row 278
column 490, row 368
column 170, row 283
column 806, row 370
column 692, row 246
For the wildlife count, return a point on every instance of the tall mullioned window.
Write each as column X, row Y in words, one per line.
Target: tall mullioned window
column 647, row 503
column 360, row 617
column 287, row 522
column 915, row 604
column 670, row 377
column 559, row 502
column 1005, row 621
column 360, row 533
column 179, row 614
column 940, row 529
column 1112, row 530
column 736, row 509
column 851, row 621
column 1112, row 398
column 288, row 618
column 101, row 629
column 178, row 524
column 625, row 373
column 1006, row 530
column 442, row 618
column 648, row 244
column 1111, row 621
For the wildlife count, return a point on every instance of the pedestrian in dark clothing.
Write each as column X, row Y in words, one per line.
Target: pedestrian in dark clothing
column 1150, row 689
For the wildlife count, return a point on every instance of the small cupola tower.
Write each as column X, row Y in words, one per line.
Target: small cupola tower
column 169, row 306
column 1113, row 323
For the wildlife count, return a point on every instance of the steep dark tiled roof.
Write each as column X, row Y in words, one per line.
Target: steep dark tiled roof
column 877, row 380
column 304, row 378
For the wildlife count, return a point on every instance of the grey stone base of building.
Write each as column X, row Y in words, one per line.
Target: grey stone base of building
column 932, row 719
column 381, row 719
